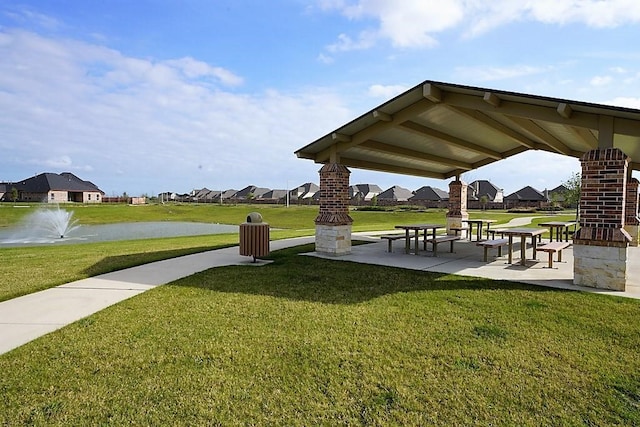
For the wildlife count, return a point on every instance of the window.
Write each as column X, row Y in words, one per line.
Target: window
column 53, row 196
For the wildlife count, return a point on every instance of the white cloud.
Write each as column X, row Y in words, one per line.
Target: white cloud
column 625, row 102
column 388, row 91
column 417, row 23
column 69, row 105
column 600, row 80
column 345, row 43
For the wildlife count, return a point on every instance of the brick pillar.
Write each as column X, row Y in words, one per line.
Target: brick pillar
column 333, row 223
column 631, row 222
column 457, row 207
column 600, row 245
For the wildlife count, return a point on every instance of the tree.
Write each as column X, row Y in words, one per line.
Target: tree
column 484, row 199
column 572, row 193
column 14, row 194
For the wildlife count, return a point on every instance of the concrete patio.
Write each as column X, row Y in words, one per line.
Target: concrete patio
column 467, row 260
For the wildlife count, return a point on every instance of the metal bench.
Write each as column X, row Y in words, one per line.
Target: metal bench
column 391, row 238
column 490, row 244
column 440, row 239
column 553, row 247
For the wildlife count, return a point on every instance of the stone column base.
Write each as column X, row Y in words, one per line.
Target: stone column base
column 633, row 231
column 333, row 239
column 603, row 267
column 456, row 222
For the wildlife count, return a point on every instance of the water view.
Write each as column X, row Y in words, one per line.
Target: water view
column 57, row 226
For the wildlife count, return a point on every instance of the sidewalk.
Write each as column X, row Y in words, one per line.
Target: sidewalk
column 26, row 318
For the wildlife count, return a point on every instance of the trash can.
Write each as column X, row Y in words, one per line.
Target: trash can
column 254, row 237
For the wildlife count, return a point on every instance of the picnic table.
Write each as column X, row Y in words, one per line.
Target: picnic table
column 559, row 227
column 523, row 233
column 417, row 228
column 479, row 223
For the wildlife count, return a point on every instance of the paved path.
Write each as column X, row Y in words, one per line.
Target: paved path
column 522, row 221
column 26, row 318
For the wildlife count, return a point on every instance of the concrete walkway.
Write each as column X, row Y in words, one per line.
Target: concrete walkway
column 26, row 318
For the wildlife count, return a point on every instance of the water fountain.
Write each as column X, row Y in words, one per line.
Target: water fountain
column 45, row 225
column 53, row 222
column 49, row 225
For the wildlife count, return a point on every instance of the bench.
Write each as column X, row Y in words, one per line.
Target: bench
column 553, row 247
column 441, row 239
column 391, row 239
column 457, row 230
column 490, row 244
column 493, row 233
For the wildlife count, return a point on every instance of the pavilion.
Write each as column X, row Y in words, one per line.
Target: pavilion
column 441, row 130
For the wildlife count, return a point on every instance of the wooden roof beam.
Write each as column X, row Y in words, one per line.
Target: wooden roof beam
column 548, row 139
column 484, row 119
column 520, row 109
column 564, row 110
column 383, row 167
column 450, row 139
column 380, row 126
column 381, row 147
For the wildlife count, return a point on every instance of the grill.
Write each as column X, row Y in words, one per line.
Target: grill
column 254, row 237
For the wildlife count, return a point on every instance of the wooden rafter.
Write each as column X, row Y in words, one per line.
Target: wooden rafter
column 383, row 148
column 419, row 129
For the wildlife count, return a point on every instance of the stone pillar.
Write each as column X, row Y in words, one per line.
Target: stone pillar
column 600, row 246
column 333, row 223
column 631, row 221
column 457, row 207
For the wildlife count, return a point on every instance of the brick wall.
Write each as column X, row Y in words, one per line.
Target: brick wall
column 631, row 203
column 602, row 204
column 457, row 199
column 334, row 195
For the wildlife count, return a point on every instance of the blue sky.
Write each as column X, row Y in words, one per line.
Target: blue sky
column 150, row 96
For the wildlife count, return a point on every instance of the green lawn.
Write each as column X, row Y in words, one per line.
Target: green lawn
column 306, row 341
column 49, row 266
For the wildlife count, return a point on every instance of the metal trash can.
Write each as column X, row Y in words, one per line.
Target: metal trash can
column 254, row 237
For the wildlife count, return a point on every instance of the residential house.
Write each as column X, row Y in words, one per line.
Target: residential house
column 53, row 188
column 394, row 195
column 4, row 189
column 273, row 196
column 482, row 194
column 250, row 192
column 557, row 195
column 363, row 193
column 304, row 192
column 527, row 197
column 430, row 197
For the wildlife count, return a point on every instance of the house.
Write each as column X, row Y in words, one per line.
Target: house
column 363, row 192
column 53, row 188
column 305, row 191
column 480, row 189
column 394, row 194
column 250, row 192
column 430, row 197
column 273, row 196
column 4, row 189
column 557, row 195
column 202, row 195
column 527, row 197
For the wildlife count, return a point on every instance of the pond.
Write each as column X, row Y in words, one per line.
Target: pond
column 28, row 236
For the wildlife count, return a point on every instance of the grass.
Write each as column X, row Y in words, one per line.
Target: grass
column 306, row 341
column 50, row 266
